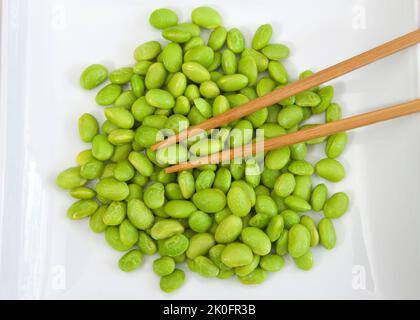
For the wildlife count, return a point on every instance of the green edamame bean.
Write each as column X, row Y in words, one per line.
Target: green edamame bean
column 260, row 59
column 179, row 208
column 238, row 201
column 135, row 192
column 82, row 193
column 141, row 109
column 290, row 116
column 228, row 229
column 309, row 223
column 305, row 74
column 108, row 171
column 247, row 269
column 233, row 82
column 147, row 136
column 336, row 145
column 307, row 99
column 82, row 209
column 182, row 106
column 327, row 236
column 176, row 34
column 277, row 159
column 299, row 240
column 272, row 262
column 257, row 276
column 93, row 76
column 206, row 17
column 217, row 38
column 266, row 205
column 125, row 99
column 141, row 67
column 235, row 40
column 124, row 171
column 290, row 218
column 276, row 51
column 262, row 36
column 163, row 266
column 173, row 246
column 303, row 187
column 272, row 130
column 330, row 169
column 316, row 140
column 129, row 235
column 200, row 221
column 209, row 89
column 333, row 112
column 298, row 151
column 260, row 220
column 236, row 254
column 172, row 57
column 115, row 214
column 195, row 72
column 92, row 169
column 248, row 67
column 154, row 195
column 275, row 228
column 141, row 163
column 96, row 223
column 112, row 237
column 137, row 86
column 120, row 117
column 204, row 180
column 200, row 245
column 203, row 107
column 139, row 215
column 163, row 18
column 202, row 54
column 269, row 177
column 186, row 183
column 166, row 228
column 192, row 92
column 326, row 94
column 318, row 197
column 147, row 51
column 84, row 156
column 195, row 41
column 257, row 240
column 282, row 243
column 229, row 62
column 102, row 149
column 297, row 203
column 172, row 281
column 205, row 267
column 146, row 244
column 264, row 86
column 112, row 189
column 121, row 75
column 336, row 206
column 284, row 185
column 301, row 168
column 212, row 68
column 70, row 178
column 210, row 200
column 120, row 137
column 88, row 127
column 155, row 76
column 278, row 72
column 304, row 262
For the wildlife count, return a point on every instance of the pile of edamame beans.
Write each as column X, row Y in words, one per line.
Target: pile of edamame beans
column 236, row 219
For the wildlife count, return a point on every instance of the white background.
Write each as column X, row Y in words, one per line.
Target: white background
column 45, row 45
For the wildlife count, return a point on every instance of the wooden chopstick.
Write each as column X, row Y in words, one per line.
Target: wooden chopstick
column 316, row 79
column 323, row 130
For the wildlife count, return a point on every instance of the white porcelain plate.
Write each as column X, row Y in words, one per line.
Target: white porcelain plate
column 45, row 45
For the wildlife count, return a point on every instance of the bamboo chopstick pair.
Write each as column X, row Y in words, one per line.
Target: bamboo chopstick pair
column 316, row 79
